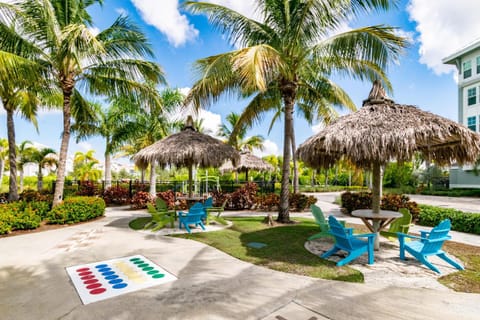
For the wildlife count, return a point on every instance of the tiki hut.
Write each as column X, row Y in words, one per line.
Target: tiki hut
column 186, row 149
column 247, row 162
column 382, row 131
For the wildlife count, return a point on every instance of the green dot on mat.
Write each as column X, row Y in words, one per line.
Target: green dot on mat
column 139, row 262
column 153, row 272
column 156, row 276
column 134, row 259
column 143, row 265
column 147, row 268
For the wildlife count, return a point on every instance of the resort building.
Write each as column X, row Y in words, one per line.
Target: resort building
column 467, row 61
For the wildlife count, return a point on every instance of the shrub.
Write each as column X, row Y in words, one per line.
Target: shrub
column 140, row 200
column 21, row 215
column 30, row 195
column 243, row 198
column 76, row 209
column 363, row 200
column 169, row 198
column 41, row 208
column 461, row 221
column 268, row 202
column 87, row 188
column 116, row 195
column 299, row 201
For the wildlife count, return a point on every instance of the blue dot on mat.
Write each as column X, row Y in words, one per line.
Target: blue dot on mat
column 120, row 286
column 114, row 281
column 101, row 266
column 104, row 269
column 108, row 273
column 113, row 276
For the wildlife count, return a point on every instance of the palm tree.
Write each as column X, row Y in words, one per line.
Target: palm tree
column 56, row 33
column 84, row 165
column 25, row 155
column 240, row 142
column 150, row 123
column 287, row 59
column 3, row 156
column 45, row 157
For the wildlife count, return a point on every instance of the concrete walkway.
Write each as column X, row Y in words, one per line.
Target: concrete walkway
column 210, row 285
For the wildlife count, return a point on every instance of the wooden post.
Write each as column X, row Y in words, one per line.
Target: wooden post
column 190, row 174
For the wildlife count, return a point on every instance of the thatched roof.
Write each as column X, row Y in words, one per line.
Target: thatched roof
column 185, row 148
column 382, row 130
column 247, row 162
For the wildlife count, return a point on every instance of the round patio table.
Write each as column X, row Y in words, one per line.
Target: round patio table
column 376, row 222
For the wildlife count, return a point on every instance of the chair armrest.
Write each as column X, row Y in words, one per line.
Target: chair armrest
column 404, row 235
column 365, row 235
column 214, row 208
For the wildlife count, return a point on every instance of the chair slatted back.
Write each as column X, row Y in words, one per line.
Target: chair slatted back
column 160, row 204
column 196, row 208
column 319, row 218
column 342, row 237
column 208, row 203
column 405, row 219
column 437, row 237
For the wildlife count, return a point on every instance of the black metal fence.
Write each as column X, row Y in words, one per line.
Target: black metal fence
column 134, row 186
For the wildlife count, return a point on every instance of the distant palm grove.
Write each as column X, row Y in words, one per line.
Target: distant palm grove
column 108, row 84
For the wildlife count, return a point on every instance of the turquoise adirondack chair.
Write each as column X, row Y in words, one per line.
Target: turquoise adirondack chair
column 401, row 225
column 195, row 215
column 322, row 223
column 349, row 242
column 429, row 244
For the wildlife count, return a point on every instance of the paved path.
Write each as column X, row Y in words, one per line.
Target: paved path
column 210, row 285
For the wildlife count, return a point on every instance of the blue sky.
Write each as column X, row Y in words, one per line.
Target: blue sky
column 436, row 28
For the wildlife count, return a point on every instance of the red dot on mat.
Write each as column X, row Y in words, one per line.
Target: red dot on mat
column 98, row 291
column 85, row 273
column 90, row 276
column 94, row 285
column 90, row 281
column 83, row 269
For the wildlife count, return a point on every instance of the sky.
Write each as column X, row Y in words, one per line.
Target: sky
column 436, row 29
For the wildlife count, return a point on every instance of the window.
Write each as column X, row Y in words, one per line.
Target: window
column 472, row 96
column 478, row 65
column 472, row 123
column 467, row 69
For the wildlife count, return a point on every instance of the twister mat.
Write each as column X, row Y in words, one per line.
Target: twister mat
column 106, row 279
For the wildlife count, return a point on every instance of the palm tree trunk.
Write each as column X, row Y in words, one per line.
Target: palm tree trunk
column 40, row 178
column 283, row 213
column 295, row 164
column 21, row 178
column 2, row 169
column 108, row 170
column 12, row 154
column 62, row 161
column 153, row 179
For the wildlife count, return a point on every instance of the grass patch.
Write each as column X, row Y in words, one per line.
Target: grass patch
column 284, row 251
column 139, row 223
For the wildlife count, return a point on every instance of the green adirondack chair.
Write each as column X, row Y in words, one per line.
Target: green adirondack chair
column 322, row 223
column 401, row 225
column 159, row 218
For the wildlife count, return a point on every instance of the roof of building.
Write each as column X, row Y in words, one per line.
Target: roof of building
column 465, row 50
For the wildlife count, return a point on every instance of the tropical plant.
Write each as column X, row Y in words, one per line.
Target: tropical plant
column 84, row 166
column 109, row 63
column 240, row 142
column 44, row 158
column 25, row 153
column 287, row 58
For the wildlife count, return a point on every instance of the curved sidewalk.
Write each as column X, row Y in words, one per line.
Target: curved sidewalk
column 210, row 285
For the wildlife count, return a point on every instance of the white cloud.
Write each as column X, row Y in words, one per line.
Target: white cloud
column 121, row 11
column 318, row 127
column 94, row 30
column 270, row 148
column 444, row 27
column 211, row 122
column 167, row 20
column 84, row 146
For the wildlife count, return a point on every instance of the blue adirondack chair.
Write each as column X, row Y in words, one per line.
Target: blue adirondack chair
column 429, row 244
column 349, row 242
column 322, row 223
column 195, row 215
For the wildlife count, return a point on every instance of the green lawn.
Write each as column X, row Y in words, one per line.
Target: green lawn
column 284, row 251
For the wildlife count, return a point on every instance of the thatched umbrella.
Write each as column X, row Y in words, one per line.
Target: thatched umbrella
column 187, row 148
column 247, row 162
column 381, row 131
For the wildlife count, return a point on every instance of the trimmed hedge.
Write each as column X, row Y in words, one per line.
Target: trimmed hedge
column 22, row 215
column 76, row 209
column 461, row 221
column 363, row 200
